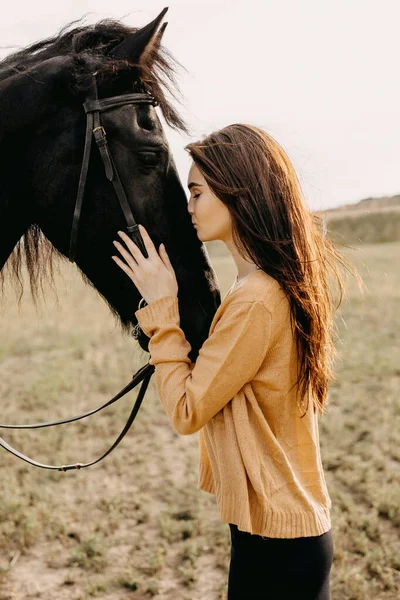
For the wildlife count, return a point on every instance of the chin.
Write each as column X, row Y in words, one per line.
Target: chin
column 201, row 236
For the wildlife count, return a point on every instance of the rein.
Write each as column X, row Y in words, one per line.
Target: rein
column 144, row 374
column 93, row 107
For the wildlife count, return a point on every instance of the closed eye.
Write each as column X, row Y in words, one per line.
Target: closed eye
column 148, row 158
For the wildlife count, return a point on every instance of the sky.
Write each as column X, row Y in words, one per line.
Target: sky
column 320, row 76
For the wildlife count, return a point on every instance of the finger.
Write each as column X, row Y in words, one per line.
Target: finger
column 124, row 267
column 128, row 257
column 132, row 247
column 148, row 242
column 165, row 256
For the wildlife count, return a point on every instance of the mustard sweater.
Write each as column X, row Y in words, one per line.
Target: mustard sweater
column 260, row 459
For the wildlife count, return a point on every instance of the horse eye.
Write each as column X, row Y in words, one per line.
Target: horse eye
column 148, row 158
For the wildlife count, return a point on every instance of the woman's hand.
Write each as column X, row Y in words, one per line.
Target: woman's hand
column 154, row 277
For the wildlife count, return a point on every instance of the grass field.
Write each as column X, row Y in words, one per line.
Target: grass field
column 136, row 526
column 365, row 227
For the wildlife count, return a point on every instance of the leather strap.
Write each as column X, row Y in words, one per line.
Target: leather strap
column 101, row 141
column 113, row 176
column 131, row 225
column 144, row 374
column 81, row 188
column 106, row 103
column 93, row 107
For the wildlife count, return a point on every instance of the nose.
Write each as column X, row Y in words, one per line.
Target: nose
column 189, row 207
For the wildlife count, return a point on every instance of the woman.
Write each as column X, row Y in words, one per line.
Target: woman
column 261, row 378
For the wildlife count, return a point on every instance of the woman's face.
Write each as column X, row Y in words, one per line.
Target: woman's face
column 209, row 215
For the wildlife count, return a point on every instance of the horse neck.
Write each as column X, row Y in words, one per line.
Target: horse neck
column 14, row 222
column 22, row 92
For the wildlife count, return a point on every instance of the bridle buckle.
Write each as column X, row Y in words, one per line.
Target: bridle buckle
column 100, row 130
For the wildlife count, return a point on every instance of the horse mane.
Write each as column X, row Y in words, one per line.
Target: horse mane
column 88, row 45
column 38, row 255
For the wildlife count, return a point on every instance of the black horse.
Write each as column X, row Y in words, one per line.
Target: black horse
column 42, row 135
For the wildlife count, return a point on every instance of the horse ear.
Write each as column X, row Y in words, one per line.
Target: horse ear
column 137, row 45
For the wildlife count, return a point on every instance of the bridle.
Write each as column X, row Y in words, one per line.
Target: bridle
column 93, row 108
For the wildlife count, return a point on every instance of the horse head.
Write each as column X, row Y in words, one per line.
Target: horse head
column 42, row 137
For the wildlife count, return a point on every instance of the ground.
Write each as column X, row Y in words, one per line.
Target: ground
column 136, row 526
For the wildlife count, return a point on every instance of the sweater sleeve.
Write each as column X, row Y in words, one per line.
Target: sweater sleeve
column 193, row 393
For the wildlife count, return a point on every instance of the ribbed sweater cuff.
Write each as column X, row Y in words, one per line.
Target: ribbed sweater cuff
column 159, row 312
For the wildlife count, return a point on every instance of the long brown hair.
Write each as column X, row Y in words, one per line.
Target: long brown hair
column 253, row 176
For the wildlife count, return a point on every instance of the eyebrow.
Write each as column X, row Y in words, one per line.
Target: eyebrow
column 193, row 184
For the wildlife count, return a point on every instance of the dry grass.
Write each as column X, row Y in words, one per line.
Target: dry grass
column 136, row 526
column 365, row 228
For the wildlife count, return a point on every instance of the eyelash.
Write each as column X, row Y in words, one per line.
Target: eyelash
column 196, row 196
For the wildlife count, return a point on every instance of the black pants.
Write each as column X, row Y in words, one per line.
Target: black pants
column 264, row 568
